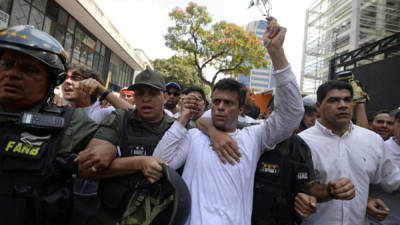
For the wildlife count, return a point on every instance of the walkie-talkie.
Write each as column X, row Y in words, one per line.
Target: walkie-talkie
column 36, row 120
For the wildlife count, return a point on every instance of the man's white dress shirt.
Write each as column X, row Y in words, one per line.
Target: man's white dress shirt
column 359, row 155
column 221, row 193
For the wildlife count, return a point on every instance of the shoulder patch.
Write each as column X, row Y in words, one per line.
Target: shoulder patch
column 109, row 120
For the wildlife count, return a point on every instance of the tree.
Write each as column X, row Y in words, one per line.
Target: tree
column 223, row 46
column 177, row 69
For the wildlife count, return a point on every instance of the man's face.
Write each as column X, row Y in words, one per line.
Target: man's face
column 336, row 108
column 201, row 104
column 225, row 109
column 70, row 87
column 383, row 125
column 129, row 97
column 309, row 118
column 24, row 80
column 172, row 97
column 149, row 103
column 396, row 128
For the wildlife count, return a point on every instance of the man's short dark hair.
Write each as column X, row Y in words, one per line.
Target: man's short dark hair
column 232, row 85
column 385, row 111
column 88, row 73
column 324, row 88
column 197, row 89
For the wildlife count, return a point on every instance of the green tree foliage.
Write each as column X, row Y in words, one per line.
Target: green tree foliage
column 177, row 69
column 223, row 46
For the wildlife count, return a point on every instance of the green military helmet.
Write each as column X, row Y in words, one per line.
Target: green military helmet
column 38, row 44
column 166, row 202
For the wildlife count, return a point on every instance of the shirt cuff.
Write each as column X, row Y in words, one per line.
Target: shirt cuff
column 178, row 129
column 283, row 76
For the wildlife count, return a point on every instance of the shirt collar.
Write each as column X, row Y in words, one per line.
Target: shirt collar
column 329, row 132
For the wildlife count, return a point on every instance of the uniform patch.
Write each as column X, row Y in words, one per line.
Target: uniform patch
column 27, row 146
column 302, row 176
column 270, row 168
column 109, row 120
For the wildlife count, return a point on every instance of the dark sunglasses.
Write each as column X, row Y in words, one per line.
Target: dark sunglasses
column 176, row 94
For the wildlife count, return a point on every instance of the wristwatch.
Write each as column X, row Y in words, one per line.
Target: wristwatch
column 104, row 95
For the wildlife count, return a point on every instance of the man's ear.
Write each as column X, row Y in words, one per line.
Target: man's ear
column 318, row 106
column 165, row 97
column 241, row 109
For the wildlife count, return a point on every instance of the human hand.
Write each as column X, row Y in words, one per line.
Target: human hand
column 377, row 209
column 366, row 97
column 151, row 168
column 59, row 101
column 96, row 158
column 342, row 188
column 225, row 146
column 305, row 205
column 91, row 86
column 274, row 35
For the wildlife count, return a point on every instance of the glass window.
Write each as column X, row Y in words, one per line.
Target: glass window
column 40, row 4
column 96, row 58
column 47, row 26
column 5, row 5
column 98, row 45
column 103, row 49
column 68, row 43
column 36, row 19
column 62, row 17
column 101, row 64
column 79, row 34
column 58, row 33
column 90, row 58
column 19, row 13
column 84, row 54
column 77, row 50
column 52, row 10
column 71, row 24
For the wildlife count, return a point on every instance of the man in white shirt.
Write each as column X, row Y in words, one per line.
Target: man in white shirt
column 223, row 193
column 341, row 149
column 391, row 200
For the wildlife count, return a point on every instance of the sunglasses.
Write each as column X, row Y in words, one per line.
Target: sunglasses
column 176, row 94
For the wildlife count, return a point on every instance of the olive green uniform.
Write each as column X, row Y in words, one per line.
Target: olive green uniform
column 111, row 127
column 78, row 133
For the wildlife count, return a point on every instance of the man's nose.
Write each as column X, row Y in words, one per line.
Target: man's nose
column 12, row 72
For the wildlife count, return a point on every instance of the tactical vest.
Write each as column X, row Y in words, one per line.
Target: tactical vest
column 276, row 181
column 135, row 140
column 35, row 181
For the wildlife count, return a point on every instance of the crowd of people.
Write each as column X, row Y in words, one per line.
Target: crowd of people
column 156, row 153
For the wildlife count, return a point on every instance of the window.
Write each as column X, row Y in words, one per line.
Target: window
column 71, row 24
column 62, row 17
column 68, row 43
column 36, row 19
column 19, row 13
column 40, row 4
column 52, row 10
column 5, row 5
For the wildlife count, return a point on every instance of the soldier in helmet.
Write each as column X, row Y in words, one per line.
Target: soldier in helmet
column 38, row 140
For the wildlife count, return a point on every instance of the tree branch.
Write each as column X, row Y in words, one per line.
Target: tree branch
column 224, row 70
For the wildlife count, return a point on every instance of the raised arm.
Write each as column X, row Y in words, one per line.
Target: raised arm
column 288, row 103
column 92, row 86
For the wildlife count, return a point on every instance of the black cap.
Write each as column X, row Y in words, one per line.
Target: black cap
column 150, row 78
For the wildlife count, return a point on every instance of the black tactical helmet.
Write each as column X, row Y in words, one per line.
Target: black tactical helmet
column 166, row 202
column 38, row 44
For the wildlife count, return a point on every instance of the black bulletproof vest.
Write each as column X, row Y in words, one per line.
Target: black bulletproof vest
column 275, row 183
column 135, row 140
column 35, row 181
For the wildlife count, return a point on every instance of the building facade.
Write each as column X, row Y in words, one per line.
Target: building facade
column 334, row 27
column 260, row 79
column 88, row 36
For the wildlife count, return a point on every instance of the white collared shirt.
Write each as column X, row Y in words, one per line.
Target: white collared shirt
column 359, row 155
column 222, row 194
column 392, row 200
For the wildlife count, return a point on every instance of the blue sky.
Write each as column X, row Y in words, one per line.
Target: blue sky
column 144, row 22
